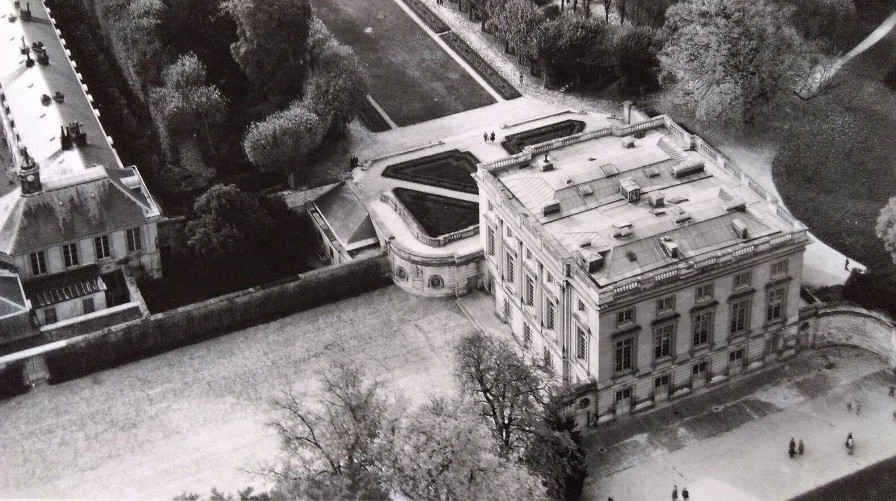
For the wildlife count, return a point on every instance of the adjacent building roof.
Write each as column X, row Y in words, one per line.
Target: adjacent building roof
column 65, row 286
column 630, row 205
column 347, row 217
column 12, row 295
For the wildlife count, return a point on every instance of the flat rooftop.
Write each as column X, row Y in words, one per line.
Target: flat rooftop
column 34, row 121
column 704, row 209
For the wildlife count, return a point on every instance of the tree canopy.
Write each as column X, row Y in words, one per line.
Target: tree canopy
column 571, row 47
column 187, row 104
column 886, row 227
column 282, row 141
column 337, row 87
column 731, row 58
column 272, row 44
column 226, row 224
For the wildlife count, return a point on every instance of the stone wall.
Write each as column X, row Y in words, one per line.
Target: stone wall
column 200, row 321
column 850, row 325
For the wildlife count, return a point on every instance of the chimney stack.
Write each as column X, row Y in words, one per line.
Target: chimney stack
column 64, row 138
column 26, row 14
column 41, row 53
column 78, row 136
column 29, row 173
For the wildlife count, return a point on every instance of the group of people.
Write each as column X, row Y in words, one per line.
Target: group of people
column 684, row 494
column 353, row 162
column 858, row 406
column 793, row 449
column 488, row 137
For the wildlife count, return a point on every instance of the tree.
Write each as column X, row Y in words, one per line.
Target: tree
column 555, row 453
column 227, row 224
column 272, row 44
column 637, row 47
column 516, row 22
column 337, row 88
column 283, row 140
column 188, row 105
column 510, row 391
column 647, row 12
column 330, row 442
column 829, row 22
column 571, row 47
column 442, row 452
column 730, row 58
column 134, row 29
column 886, row 227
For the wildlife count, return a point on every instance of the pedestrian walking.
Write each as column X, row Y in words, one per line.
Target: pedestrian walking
column 849, row 405
column 685, row 494
column 521, row 78
column 892, row 391
column 801, row 447
column 850, row 444
column 493, row 136
column 485, row 136
column 846, row 266
column 675, row 493
column 858, row 408
column 792, row 448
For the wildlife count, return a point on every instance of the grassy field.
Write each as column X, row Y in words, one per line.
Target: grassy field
column 837, row 164
column 411, row 77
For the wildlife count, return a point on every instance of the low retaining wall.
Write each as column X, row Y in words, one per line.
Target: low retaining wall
column 197, row 322
column 830, row 325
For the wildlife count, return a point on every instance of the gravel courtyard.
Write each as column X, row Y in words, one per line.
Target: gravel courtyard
column 195, row 418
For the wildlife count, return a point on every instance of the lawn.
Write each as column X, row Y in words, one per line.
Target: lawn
column 451, row 170
column 835, row 169
column 411, row 77
column 438, row 215
column 515, row 143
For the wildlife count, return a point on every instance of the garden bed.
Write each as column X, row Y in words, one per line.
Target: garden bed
column 514, row 143
column 438, row 215
column 485, row 70
column 371, row 118
column 452, row 170
column 428, row 17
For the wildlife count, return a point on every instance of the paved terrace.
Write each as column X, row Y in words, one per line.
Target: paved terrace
column 195, row 417
column 732, row 443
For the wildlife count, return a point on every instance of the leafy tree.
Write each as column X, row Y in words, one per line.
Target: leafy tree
column 647, row 12
column 829, row 22
column 443, row 452
column 282, row 141
column 730, row 58
column 272, row 44
column 555, row 453
column 516, row 22
column 330, row 444
column 187, row 104
column 636, row 48
column 886, row 227
column 227, row 224
column 134, row 27
column 337, row 88
column 570, row 47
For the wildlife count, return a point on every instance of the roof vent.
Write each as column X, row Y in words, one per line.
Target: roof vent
column 630, row 189
column 669, row 246
column 690, row 166
column 731, row 202
column 551, row 207
column 657, row 199
column 651, row 172
column 628, row 142
column 622, row 233
column 740, row 228
column 682, row 217
column 41, row 53
column 585, row 190
column 609, row 170
column 59, row 97
column 591, row 260
column 631, row 256
column 76, row 134
column 26, row 14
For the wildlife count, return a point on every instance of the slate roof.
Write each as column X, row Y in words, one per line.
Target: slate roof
column 65, row 286
column 91, row 206
column 346, row 216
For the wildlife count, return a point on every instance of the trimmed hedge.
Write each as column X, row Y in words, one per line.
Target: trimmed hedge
column 433, row 21
column 485, row 70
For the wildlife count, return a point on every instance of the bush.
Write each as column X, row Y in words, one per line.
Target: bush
column 872, row 290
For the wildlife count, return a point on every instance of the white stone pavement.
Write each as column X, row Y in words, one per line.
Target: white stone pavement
column 750, row 462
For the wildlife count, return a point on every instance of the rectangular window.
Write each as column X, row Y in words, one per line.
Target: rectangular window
column 548, row 277
column 581, row 306
column 625, row 317
column 38, row 263
column 530, row 290
column 661, row 382
column 507, row 311
column 624, row 354
column 665, row 304
column 740, row 316
column 509, row 269
column 550, row 313
column 662, row 341
column 70, row 255
column 736, row 355
column 88, row 305
column 705, row 292
column 528, row 253
column 779, row 268
column 50, row 316
column 623, row 394
column 698, row 369
column 743, row 279
column 135, row 242
column 527, row 335
column 703, row 323
column 101, row 247
column 490, row 241
column 777, row 300
column 583, row 343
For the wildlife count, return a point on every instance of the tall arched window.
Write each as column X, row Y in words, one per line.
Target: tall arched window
column 436, row 282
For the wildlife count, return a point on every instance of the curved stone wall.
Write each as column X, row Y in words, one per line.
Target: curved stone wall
column 449, row 276
column 851, row 325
